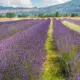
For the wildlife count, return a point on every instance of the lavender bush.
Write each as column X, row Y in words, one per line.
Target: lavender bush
column 22, row 56
column 72, row 20
column 68, row 43
column 8, row 29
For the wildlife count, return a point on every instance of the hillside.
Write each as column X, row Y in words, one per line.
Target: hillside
column 68, row 7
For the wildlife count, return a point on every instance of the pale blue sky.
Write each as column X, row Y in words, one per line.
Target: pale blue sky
column 37, row 3
column 31, row 3
column 42, row 3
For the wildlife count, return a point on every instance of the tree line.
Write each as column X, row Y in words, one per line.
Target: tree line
column 13, row 15
column 57, row 14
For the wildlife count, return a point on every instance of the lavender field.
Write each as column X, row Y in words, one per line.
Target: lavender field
column 40, row 49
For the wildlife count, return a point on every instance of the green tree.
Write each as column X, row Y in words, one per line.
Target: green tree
column 57, row 14
column 66, row 15
column 10, row 15
column 74, row 14
column 41, row 15
column 1, row 16
column 23, row 15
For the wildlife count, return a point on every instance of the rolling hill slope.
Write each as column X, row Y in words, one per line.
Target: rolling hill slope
column 68, row 7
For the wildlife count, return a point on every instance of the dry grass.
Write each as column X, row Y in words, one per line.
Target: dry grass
column 11, row 19
column 75, row 18
column 72, row 26
column 15, row 19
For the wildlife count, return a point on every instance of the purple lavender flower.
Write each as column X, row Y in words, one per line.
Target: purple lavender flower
column 22, row 56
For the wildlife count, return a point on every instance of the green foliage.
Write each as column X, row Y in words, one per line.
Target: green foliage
column 23, row 15
column 51, row 64
column 40, row 15
column 57, row 14
column 74, row 15
column 50, row 45
column 73, row 52
column 65, row 59
column 66, row 15
column 48, row 15
column 1, row 16
column 64, row 65
column 10, row 15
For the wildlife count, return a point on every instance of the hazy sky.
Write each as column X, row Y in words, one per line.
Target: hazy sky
column 30, row 3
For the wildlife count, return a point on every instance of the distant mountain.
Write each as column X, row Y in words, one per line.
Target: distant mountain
column 4, row 8
column 68, row 7
column 17, row 10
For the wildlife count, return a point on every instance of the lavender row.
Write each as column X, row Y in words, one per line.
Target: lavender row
column 22, row 56
column 62, row 36
column 65, row 37
column 71, row 20
column 66, row 40
column 10, row 28
column 15, row 21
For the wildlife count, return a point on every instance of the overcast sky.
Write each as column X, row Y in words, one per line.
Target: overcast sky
column 31, row 3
